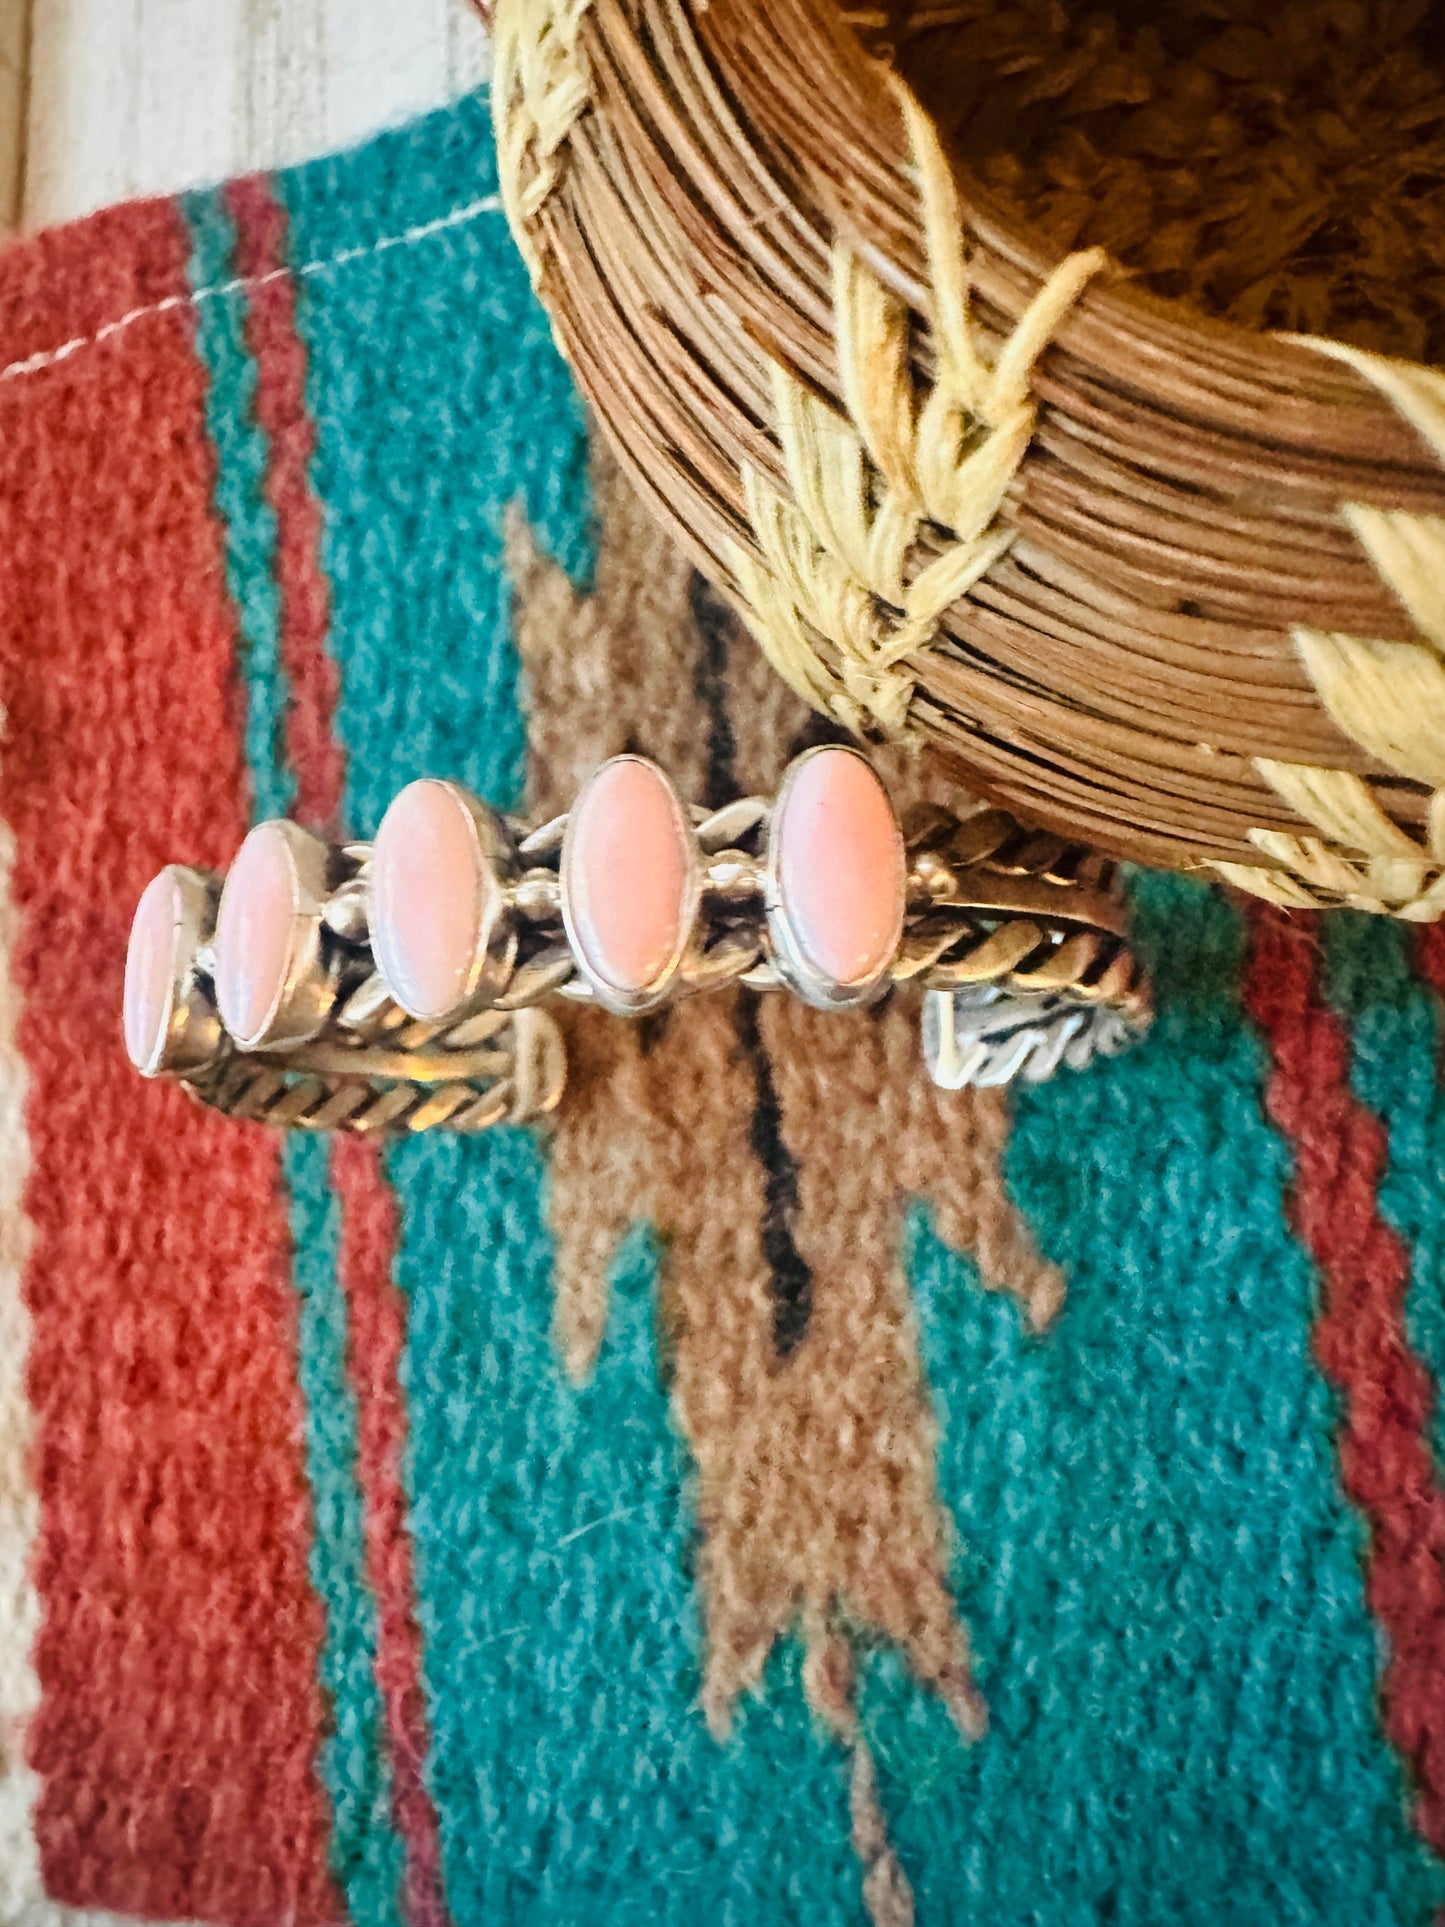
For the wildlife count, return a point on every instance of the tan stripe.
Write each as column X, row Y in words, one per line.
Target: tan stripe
column 19, row 1608
column 613, row 669
column 599, row 1182
column 816, row 1491
column 604, row 672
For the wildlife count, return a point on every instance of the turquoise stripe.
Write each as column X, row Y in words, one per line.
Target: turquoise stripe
column 1395, row 1070
column 1162, row 1573
column 366, row 1854
column 440, row 403
column 571, row 1766
column 573, row 1775
column 240, row 498
column 365, row 1851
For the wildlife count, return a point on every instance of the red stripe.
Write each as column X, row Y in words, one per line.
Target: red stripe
column 368, row 1207
column 305, row 598
column 1360, row 1337
column 1430, row 955
column 180, row 1719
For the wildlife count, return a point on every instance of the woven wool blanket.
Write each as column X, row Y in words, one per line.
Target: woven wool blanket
column 776, row 1493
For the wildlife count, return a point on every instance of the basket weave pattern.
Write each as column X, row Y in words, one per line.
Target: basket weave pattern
column 1142, row 578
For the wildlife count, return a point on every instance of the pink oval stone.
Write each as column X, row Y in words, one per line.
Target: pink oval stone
column 838, row 864
column 432, row 896
column 256, row 933
column 627, row 876
column 150, row 970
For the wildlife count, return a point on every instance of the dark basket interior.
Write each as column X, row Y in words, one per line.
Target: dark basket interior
column 1279, row 163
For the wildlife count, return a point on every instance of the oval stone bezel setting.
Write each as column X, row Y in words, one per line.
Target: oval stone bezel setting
column 630, row 998
column 299, row 1000
column 493, row 856
column 793, row 955
column 187, row 1034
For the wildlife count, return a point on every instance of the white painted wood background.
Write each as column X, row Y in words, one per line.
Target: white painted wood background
column 104, row 99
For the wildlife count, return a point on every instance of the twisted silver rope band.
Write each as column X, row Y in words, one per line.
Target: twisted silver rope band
column 989, row 902
column 367, row 1067
column 394, row 1075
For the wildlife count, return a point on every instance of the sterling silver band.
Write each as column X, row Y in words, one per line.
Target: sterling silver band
column 1018, row 939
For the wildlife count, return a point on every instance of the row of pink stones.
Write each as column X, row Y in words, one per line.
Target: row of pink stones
column 262, row 915
column 630, row 887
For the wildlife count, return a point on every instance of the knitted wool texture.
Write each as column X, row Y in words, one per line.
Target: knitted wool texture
column 631, row 1522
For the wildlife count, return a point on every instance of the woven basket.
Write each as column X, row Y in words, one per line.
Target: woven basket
column 1167, row 579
